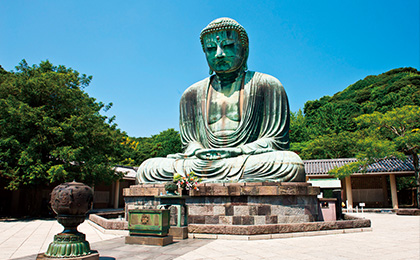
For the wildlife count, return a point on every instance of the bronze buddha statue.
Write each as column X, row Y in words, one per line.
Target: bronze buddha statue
column 234, row 125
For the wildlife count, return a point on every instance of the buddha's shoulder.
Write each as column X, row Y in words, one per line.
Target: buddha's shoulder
column 262, row 78
column 196, row 87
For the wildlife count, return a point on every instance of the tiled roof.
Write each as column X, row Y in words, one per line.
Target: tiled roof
column 129, row 172
column 322, row 166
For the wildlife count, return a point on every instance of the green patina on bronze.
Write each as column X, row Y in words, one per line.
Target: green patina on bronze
column 68, row 245
column 153, row 222
column 234, row 125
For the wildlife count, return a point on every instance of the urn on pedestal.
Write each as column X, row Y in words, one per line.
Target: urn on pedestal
column 71, row 201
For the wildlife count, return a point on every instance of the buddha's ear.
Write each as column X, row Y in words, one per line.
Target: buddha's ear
column 245, row 65
column 210, row 71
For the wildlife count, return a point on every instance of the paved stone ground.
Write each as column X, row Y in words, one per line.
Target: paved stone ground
column 20, row 238
column 393, row 237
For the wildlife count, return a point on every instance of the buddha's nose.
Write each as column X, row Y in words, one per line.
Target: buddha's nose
column 220, row 53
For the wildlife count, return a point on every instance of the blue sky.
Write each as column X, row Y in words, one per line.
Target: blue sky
column 144, row 54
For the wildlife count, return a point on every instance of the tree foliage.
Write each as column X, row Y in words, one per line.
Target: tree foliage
column 51, row 130
column 143, row 148
column 393, row 133
column 327, row 128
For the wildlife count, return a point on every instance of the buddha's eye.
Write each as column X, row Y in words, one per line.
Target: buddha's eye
column 211, row 48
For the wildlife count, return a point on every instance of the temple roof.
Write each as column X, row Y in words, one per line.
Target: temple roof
column 389, row 165
column 129, row 172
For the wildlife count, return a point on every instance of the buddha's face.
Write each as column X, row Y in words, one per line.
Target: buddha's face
column 224, row 51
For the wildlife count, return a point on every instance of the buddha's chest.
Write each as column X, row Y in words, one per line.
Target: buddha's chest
column 223, row 111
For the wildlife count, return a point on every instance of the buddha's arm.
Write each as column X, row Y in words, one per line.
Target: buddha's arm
column 262, row 145
column 189, row 151
column 270, row 104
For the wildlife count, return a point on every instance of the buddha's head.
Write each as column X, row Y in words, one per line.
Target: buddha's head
column 225, row 43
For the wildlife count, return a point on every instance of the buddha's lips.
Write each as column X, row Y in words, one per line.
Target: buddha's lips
column 218, row 62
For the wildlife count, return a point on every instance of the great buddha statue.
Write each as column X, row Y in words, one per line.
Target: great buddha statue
column 234, row 125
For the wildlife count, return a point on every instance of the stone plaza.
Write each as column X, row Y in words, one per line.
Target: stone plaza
column 391, row 237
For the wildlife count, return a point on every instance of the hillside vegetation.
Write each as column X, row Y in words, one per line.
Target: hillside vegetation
column 327, row 129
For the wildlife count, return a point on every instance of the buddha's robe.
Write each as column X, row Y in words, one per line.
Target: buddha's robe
column 262, row 135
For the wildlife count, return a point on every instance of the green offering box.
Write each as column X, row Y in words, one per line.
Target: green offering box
column 148, row 222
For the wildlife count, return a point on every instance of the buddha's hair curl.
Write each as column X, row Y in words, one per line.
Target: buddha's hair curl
column 223, row 24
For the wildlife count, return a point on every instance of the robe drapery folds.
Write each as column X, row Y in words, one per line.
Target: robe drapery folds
column 262, row 135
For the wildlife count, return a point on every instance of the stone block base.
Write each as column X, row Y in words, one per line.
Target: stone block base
column 255, row 203
column 107, row 223
column 278, row 228
column 149, row 240
column 179, row 232
column 410, row 212
column 279, row 235
column 93, row 256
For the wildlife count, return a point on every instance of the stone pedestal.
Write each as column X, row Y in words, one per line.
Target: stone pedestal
column 241, row 206
column 178, row 232
column 253, row 203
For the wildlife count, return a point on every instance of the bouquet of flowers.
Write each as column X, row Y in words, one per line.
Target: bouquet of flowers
column 189, row 182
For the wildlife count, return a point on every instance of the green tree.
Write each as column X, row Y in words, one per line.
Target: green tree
column 140, row 149
column 394, row 133
column 51, row 130
column 330, row 146
column 298, row 129
column 333, row 118
column 167, row 142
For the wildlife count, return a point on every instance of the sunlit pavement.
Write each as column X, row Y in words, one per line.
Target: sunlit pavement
column 392, row 237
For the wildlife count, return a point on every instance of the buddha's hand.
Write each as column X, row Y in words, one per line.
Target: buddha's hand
column 176, row 156
column 263, row 150
column 180, row 155
column 217, row 154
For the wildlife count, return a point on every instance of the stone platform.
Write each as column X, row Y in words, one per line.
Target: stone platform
column 251, row 230
column 244, row 204
column 256, row 208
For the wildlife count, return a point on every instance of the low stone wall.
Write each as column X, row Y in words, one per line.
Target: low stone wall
column 349, row 223
column 107, row 223
column 277, row 228
column 409, row 212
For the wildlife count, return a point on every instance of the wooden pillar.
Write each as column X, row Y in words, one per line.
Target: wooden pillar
column 385, row 191
column 117, row 194
column 349, row 192
column 394, row 196
column 15, row 202
column 93, row 202
column 343, row 190
column 111, row 195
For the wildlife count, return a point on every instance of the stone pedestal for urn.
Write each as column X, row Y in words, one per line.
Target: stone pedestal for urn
column 70, row 201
